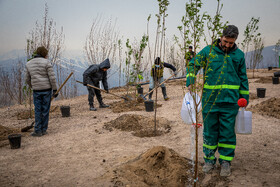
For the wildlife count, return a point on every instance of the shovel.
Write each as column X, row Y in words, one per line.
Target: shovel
column 25, row 129
column 63, row 84
column 125, row 98
column 60, row 87
column 157, row 86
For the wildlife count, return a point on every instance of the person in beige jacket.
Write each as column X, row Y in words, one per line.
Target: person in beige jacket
column 39, row 75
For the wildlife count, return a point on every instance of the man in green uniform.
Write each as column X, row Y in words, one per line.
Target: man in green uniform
column 225, row 82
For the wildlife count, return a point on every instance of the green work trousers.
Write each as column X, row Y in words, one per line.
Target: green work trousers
column 219, row 131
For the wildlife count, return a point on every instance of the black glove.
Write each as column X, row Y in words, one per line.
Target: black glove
column 85, row 84
column 107, row 90
column 55, row 94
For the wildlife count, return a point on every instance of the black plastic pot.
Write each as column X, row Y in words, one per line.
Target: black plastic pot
column 15, row 141
column 65, row 111
column 275, row 80
column 277, row 74
column 261, row 92
column 149, row 105
column 269, row 68
column 140, row 90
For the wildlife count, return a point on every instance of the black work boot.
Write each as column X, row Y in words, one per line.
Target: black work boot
column 91, row 108
column 102, row 105
column 150, row 94
column 163, row 89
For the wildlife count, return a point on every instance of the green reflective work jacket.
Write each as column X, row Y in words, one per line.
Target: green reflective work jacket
column 225, row 74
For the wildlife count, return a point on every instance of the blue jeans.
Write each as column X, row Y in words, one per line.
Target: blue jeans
column 152, row 84
column 42, row 103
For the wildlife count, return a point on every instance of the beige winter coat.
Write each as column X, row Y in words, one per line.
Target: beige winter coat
column 39, row 74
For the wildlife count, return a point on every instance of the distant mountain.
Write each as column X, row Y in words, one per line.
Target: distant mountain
column 71, row 60
column 14, row 54
column 268, row 58
column 75, row 60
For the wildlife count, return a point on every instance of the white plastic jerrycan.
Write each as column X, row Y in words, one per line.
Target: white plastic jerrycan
column 188, row 108
column 243, row 122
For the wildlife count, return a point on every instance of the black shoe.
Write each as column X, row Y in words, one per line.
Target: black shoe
column 103, row 106
column 91, row 108
column 36, row 134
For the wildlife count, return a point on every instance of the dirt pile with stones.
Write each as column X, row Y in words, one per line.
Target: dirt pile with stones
column 140, row 126
column 270, row 107
column 126, row 106
column 264, row 80
column 158, row 166
column 5, row 132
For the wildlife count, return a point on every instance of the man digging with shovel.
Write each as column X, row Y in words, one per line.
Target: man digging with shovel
column 92, row 76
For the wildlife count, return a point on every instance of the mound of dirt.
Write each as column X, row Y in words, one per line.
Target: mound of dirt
column 5, row 131
column 264, row 80
column 126, row 106
column 270, row 107
column 141, row 126
column 159, row 166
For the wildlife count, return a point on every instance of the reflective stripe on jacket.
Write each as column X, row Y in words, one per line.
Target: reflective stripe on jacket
column 225, row 74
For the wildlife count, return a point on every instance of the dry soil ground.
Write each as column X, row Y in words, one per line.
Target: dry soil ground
column 117, row 146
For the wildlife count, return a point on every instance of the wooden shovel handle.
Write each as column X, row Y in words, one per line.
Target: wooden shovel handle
column 102, row 90
column 60, row 87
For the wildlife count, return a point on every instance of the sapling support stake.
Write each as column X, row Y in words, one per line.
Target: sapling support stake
column 155, row 116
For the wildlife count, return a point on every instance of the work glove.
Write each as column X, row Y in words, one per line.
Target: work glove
column 107, row 91
column 55, row 94
column 175, row 73
column 85, row 84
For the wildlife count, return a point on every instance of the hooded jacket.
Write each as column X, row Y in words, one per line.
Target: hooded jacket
column 95, row 74
column 39, row 74
column 225, row 74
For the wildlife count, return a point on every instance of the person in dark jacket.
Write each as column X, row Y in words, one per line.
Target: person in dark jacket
column 157, row 75
column 39, row 75
column 92, row 76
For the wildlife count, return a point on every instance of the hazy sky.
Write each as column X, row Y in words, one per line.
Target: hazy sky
column 18, row 17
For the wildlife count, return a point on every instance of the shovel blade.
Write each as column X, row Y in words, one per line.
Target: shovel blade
column 27, row 128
